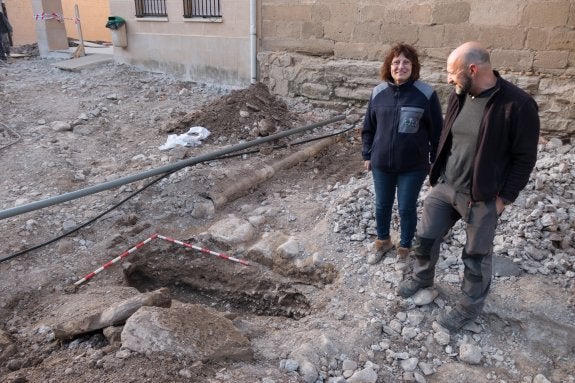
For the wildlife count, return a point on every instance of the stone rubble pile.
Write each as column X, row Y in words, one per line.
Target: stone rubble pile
column 536, row 232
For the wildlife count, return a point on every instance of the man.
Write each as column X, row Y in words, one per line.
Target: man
column 487, row 149
column 5, row 28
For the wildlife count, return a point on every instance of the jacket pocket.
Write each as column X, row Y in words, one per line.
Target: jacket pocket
column 409, row 119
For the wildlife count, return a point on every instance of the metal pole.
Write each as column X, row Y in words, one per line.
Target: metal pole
column 154, row 172
column 253, row 40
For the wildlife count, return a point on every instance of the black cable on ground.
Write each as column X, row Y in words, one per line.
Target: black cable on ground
column 92, row 220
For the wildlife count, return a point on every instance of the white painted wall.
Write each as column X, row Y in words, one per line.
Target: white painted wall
column 213, row 52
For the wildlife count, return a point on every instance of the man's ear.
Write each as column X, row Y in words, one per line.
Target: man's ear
column 473, row 69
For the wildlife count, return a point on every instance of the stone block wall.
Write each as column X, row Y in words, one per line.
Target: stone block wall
column 331, row 50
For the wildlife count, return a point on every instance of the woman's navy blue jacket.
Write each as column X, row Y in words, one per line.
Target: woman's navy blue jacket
column 402, row 126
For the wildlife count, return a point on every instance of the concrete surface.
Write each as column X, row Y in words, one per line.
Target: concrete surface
column 94, row 56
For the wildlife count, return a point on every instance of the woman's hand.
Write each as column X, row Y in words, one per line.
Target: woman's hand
column 367, row 165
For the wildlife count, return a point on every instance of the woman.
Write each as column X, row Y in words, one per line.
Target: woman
column 400, row 136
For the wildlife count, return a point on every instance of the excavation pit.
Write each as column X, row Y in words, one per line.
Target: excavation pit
column 193, row 277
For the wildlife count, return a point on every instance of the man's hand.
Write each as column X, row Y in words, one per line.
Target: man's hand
column 499, row 205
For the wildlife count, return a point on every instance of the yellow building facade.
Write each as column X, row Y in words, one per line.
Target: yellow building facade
column 93, row 17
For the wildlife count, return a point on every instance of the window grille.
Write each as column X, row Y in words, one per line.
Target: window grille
column 202, row 8
column 151, row 8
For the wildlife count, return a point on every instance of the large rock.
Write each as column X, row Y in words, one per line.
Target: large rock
column 104, row 315
column 185, row 329
column 232, row 231
column 264, row 250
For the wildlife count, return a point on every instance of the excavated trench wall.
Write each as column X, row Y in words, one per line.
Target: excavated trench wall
column 331, row 51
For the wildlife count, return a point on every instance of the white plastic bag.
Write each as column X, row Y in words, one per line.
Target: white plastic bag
column 191, row 138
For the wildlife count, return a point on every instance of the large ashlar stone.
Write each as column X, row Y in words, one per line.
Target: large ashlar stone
column 232, row 230
column 100, row 313
column 185, row 329
column 264, row 250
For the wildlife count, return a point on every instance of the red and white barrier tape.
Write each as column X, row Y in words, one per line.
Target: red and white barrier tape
column 168, row 239
column 53, row 15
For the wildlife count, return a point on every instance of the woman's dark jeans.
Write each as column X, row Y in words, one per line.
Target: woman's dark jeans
column 408, row 185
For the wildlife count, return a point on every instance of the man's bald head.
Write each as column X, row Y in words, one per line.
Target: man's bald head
column 469, row 69
column 469, row 53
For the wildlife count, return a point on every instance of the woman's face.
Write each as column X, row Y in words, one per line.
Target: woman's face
column 400, row 69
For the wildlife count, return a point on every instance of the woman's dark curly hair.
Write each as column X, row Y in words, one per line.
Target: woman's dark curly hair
column 409, row 52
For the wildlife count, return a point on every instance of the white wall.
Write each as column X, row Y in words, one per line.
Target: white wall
column 211, row 52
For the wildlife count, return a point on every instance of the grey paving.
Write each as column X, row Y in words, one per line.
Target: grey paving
column 84, row 62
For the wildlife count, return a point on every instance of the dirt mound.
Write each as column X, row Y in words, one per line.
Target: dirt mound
column 241, row 114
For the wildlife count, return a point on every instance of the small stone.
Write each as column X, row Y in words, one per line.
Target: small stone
column 367, row 375
column 123, row 354
column 409, row 332
column 425, row 296
column 185, row 373
column 470, row 353
column 61, row 126
column 426, row 368
column 409, row 364
column 349, row 365
column 291, row 365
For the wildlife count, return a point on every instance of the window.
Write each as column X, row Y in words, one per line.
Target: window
column 202, row 8
column 151, row 8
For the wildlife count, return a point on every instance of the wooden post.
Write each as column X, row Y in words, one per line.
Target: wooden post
column 80, row 51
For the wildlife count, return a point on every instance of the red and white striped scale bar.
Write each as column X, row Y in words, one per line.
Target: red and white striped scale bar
column 203, row 250
column 141, row 244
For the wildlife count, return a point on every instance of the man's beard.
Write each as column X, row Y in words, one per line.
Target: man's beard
column 465, row 85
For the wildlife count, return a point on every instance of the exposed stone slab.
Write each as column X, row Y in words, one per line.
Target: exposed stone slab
column 104, row 315
column 529, row 309
column 232, row 230
column 185, row 329
column 264, row 250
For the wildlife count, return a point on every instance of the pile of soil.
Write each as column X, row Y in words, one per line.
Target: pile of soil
column 241, row 114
